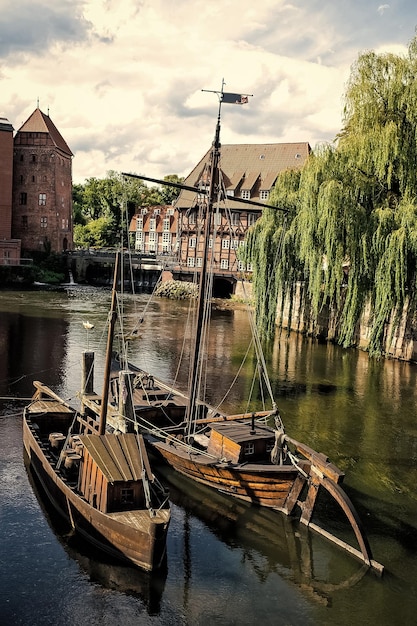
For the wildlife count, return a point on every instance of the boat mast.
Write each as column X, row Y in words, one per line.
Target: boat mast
column 110, row 337
column 206, row 207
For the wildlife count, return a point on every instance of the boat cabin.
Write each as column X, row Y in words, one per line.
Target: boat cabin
column 241, row 442
column 110, row 477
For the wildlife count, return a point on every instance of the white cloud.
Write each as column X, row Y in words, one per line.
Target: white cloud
column 123, row 79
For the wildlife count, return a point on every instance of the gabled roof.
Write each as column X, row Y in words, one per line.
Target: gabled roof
column 150, row 212
column 38, row 122
column 261, row 163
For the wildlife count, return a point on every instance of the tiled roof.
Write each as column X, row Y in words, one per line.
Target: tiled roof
column 38, row 122
column 260, row 163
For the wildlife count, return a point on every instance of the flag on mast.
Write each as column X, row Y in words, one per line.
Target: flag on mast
column 234, row 98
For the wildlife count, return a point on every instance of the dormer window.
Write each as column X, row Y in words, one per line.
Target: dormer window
column 245, row 194
column 264, row 194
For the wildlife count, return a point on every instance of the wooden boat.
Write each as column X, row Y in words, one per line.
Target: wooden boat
column 100, row 481
column 248, row 456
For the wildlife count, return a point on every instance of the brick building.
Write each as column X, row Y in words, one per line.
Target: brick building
column 42, row 186
column 155, row 230
column 9, row 248
column 247, row 172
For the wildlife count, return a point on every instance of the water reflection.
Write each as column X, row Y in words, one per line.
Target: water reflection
column 270, row 542
column 227, row 563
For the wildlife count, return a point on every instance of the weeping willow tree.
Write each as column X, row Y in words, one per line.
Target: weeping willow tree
column 354, row 205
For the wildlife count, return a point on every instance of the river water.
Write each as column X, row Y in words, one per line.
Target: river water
column 227, row 563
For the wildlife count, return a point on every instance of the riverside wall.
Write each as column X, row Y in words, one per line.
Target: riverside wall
column 399, row 343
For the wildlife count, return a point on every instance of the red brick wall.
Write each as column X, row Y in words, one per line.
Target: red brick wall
column 6, row 178
column 42, row 194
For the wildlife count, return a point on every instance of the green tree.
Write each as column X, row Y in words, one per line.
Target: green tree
column 170, row 194
column 95, row 234
column 354, row 205
column 107, row 199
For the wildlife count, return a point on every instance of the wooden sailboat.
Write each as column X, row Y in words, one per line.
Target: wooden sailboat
column 248, row 456
column 101, row 482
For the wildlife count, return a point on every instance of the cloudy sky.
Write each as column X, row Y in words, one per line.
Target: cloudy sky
column 122, row 79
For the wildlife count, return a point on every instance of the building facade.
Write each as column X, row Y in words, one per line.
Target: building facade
column 9, row 248
column 247, row 172
column 42, row 187
column 155, row 230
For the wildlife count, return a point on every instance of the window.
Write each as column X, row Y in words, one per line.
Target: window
column 225, row 244
column 139, row 222
column 217, row 218
column 33, row 179
column 193, row 242
column 240, row 266
column 139, row 241
column 211, row 242
column 230, row 193
column 234, row 244
column 269, row 446
column 153, row 242
column 166, row 242
column 33, row 158
column 235, row 219
column 252, row 217
column 264, row 194
column 64, row 224
column 144, row 211
column 166, row 224
column 192, row 217
column 21, row 179
column 23, row 198
column 170, row 212
column 224, row 264
column 199, row 261
column 152, row 223
column 245, row 194
column 44, row 222
column 126, row 496
column 156, row 211
column 42, row 199
column 190, row 261
column 24, row 221
column 249, row 448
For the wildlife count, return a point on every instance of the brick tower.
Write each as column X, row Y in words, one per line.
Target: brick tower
column 42, row 186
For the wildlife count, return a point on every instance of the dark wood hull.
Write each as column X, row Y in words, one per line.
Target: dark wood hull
column 267, row 485
column 133, row 536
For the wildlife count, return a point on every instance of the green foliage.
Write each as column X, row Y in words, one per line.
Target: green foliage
column 107, row 199
column 353, row 206
column 169, row 194
column 98, row 233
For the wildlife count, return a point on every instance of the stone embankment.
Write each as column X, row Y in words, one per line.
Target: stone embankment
column 177, row 290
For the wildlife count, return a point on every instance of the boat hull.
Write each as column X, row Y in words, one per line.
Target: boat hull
column 135, row 537
column 265, row 485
